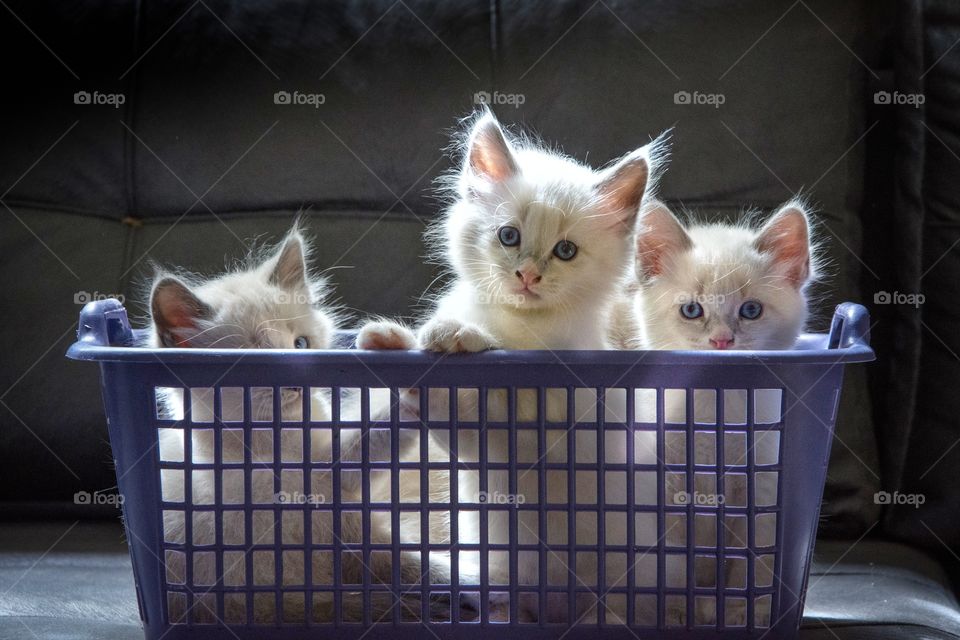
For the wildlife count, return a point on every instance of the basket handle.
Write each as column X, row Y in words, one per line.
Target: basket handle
column 850, row 326
column 104, row 323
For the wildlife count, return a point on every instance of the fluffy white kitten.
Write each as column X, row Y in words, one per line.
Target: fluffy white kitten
column 269, row 303
column 716, row 286
column 538, row 245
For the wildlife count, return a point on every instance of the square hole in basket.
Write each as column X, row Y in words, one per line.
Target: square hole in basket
column 615, row 569
column 645, row 487
column 410, row 527
column 235, row 608
column 293, row 607
column 615, row 487
column 234, row 568
column 291, row 445
column 735, row 490
column 586, row 568
column 234, row 530
column 645, row 610
column 766, row 447
column 231, row 446
column 735, row 448
column 767, row 406
column 645, row 569
column 469, row 562
column 264, row 570
column 761, row 611
column 675, row 611
column 676, row 570
column 763, row 570
column 350, row 478
column 320, row 402
column 705, row 406
column 528, row 485
column 675, row 530
column 438, row 407
column 497, row 405
column 201, row 404
column 439, row 450
column 170, row 444
column 351, row 527
column 645, row 529
column 735, row 406
column 735, row 572
column 321, row 526
column 350, row 404
column 675, row 447
column 615, row 446
column 705, row 448
column 765, row 534
column 261, row 404
column 615, row 528
column 558, row 568
column 261, row 487
column 202, row 486
column 204, row 568
column 169, row 403
column 201, row 446
column 261, row 445
column 528, row 602
column 586, row 446
column 705, row 611
column 705, row 530
column 171, row 485
column 292, row 567
column 586, row 487
column 322, row 564
column 321, row 486
column 557, row 527
column 705, row 490
column 499, row 607
column 735, row 612
column 528, row 446
column 263, row 527
column 498, row 526
column 556, row 441
column 204, row 528
column 675, row 491
column 556, row 405
column 176, row 607
column 498, row 450
column 645, row 406
column 468, row 445
column 675, row 406
column 291, row 527
column 291, row 487
column 645, row 446
column 735, row 531
column 705, row 571
column 529, row 561
column 586, row 523
column 380, row 489
column 175, row 563
column 291, row 404
column 439, row 530
column 173, row 527
column 380, row 527
column 321, row 610
column 557, row 486
column 204, row 609
column 468, row 527
column 585, row 405
column 765, row 485
column 264, row 608
column 321, row 445
column 615, row 406
column 231, row 404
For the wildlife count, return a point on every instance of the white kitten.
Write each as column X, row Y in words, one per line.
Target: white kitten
column 538, row 245
column 716, row 286
column 268, row 303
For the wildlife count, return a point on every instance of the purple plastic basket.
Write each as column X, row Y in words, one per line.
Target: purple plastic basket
column 788, row 398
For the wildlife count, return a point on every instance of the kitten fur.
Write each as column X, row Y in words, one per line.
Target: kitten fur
column 267, row 302
column 719, row 266
column 525, row 296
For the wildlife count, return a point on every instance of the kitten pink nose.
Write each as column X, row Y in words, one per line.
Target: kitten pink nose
column 528, row 277
column 721, row 343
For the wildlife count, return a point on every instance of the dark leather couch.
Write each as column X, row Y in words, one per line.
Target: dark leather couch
column 146, row 131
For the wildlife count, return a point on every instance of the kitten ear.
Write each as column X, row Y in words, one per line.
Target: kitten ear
column 786, row 238
column 489, row 155
column 622, row 186
column 175, row 311
column 660, row 236
column 290, row 269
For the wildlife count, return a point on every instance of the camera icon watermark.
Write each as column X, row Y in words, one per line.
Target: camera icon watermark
column 698, row 499
column 114, row 100
column 83, row 297
column 915, row 100
column 897, row 498
column 496, row 98
column 715, row 100
column 98, row 498
column 296, row 98
column 495, row 497
column 911, row 299
column 299, row 498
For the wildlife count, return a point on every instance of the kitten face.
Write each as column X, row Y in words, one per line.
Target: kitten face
column 724, row 286
column 535, row 230
column 269, row 306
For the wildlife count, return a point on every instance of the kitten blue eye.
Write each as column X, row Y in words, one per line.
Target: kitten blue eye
column 751, row 310
column 301, row 343
column 565, row 250
column 509, row 236
column 691, row 310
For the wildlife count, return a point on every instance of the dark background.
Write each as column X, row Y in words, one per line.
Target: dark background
column 199, row 160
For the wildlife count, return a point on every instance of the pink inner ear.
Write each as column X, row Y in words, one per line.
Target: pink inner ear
column 785, row 238
column 490, row 156
column 660, row 237
column 622, row 192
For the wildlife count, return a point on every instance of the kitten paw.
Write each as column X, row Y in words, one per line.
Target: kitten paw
column 453, row 336
column 385, row 335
